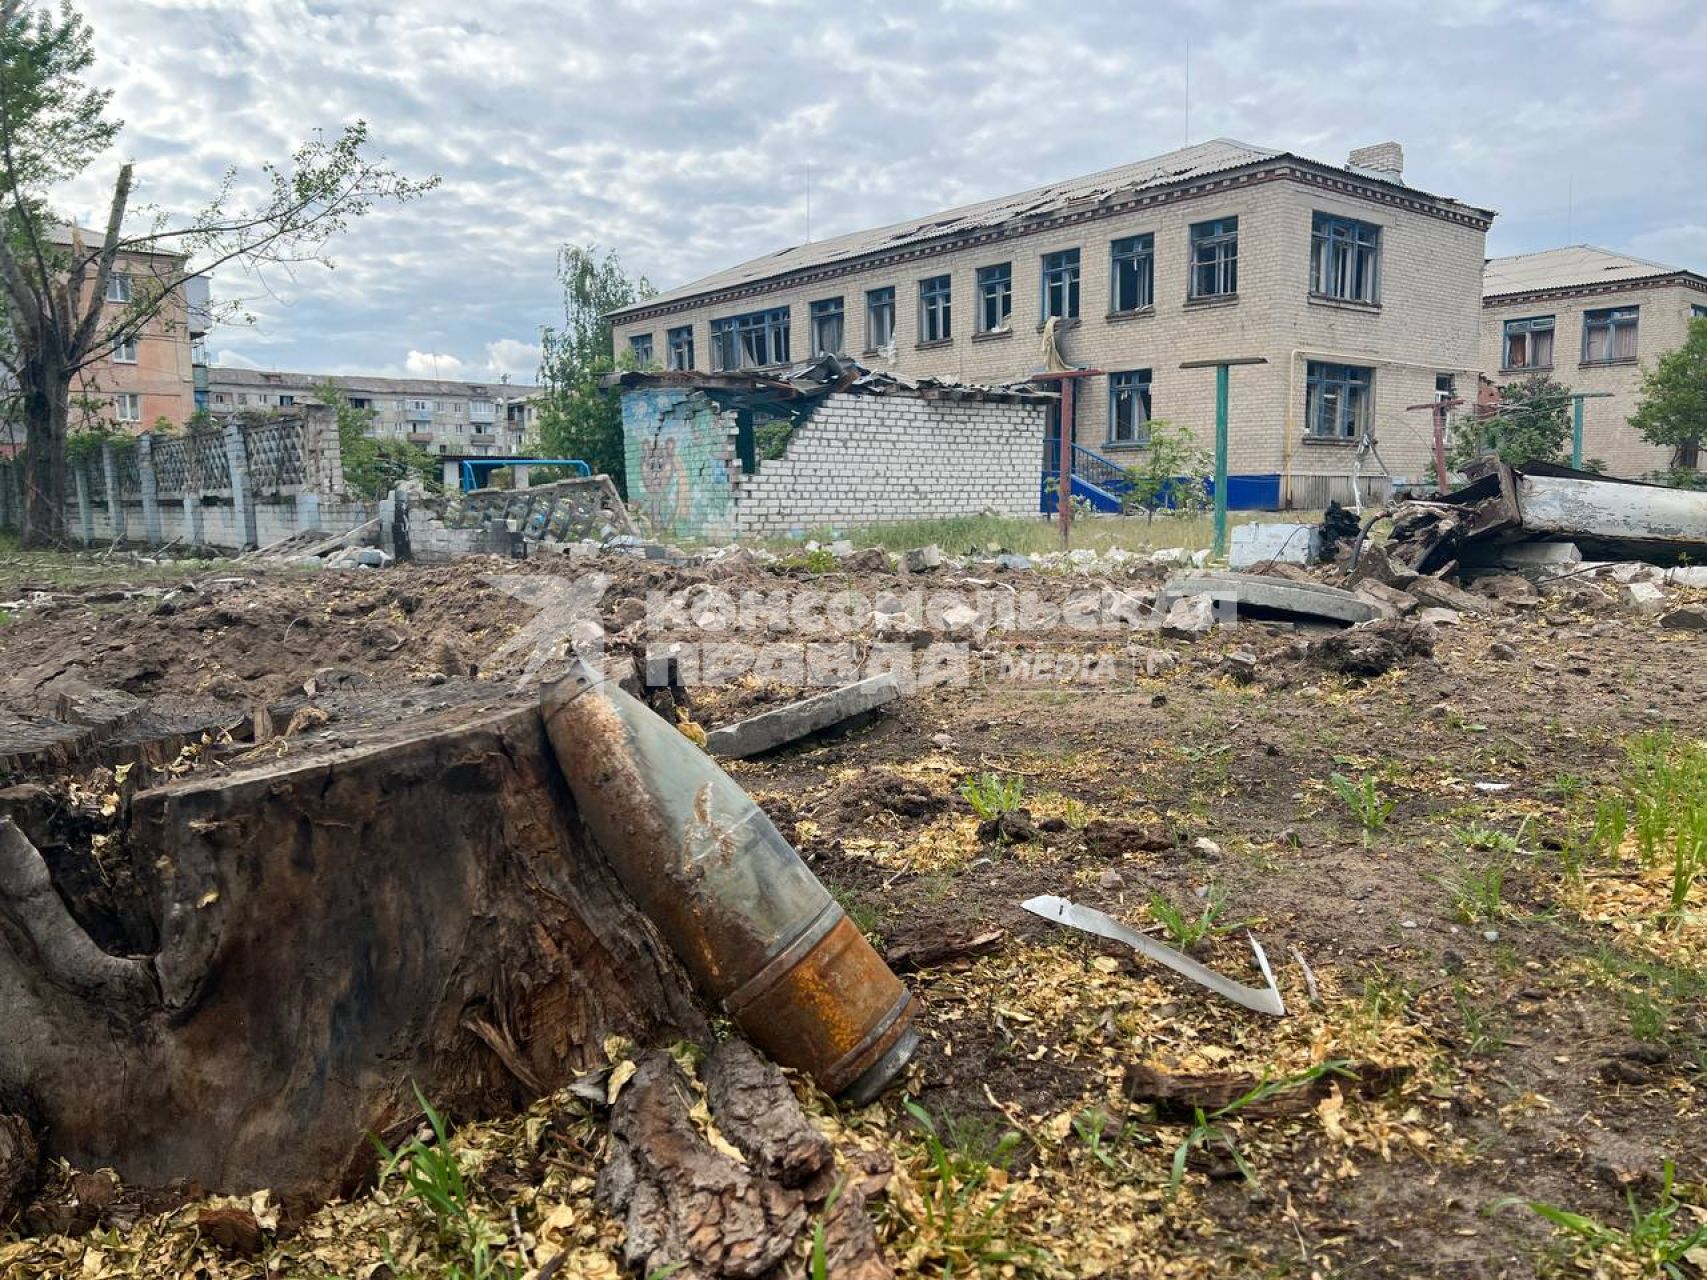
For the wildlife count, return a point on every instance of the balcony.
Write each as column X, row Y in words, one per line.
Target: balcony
column 478, row 412
column 420, row 437
column 483, row 437
column 418, row 415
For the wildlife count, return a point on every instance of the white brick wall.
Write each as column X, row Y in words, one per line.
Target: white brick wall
column 1661, row 326
column 862, row 460
column 1429, row 321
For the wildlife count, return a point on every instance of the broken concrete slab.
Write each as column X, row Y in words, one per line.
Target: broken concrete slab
column 923, row 559
column 1190, row 617
column 1439, row 617
column 1261, row 595
column 1391, row 600
column 1443, row 595
column 1526, row 555
column 1643, row 597
column 1693, row 575
column 1263, row 542
column 775, row 728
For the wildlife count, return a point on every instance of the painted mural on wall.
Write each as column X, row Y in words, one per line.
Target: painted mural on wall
column 680, row 451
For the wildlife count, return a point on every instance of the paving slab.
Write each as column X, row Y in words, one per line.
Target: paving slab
column 1265, row 594
column 782, row 725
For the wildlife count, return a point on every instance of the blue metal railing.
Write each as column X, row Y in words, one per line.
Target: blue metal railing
column 475, row 470
column 1098, row 480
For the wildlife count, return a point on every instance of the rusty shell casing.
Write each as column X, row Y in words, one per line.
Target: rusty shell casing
column 747, row 918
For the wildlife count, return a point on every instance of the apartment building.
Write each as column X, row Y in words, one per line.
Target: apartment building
column 480, row 419
column 1590, row 319
column 1359, row 291
column 154, row 375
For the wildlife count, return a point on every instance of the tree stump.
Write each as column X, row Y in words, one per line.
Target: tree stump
column 317, row 933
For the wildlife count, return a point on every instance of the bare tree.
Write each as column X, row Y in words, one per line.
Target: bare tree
column 55, row 278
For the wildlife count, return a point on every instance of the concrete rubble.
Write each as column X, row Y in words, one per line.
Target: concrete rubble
column 778, row 727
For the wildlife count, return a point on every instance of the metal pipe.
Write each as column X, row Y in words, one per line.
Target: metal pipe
column 749, row 921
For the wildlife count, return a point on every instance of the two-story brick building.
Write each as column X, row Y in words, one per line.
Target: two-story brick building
column 1590, row 319
column 1362, row 294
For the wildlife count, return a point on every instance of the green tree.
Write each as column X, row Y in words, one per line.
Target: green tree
column 1673, row 410
column 1173, row 474
column 54, row 280
column 372, row 466
column 1532, row 423
column 578, row 417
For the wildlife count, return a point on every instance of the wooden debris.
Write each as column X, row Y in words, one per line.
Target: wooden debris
column 1179, row 1097
column 911, row 955
column 762, row 1116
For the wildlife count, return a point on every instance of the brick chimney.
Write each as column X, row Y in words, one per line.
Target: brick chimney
column 1383, row 160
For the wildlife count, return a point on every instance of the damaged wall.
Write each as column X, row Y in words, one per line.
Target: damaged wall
column 478, row 523
column 860, row 460
column 853, row 460
column 680, row 451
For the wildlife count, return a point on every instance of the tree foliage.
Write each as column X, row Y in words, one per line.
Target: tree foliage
column 1532, row 423
column 1673, row 410
column 54, row 279
column 578, row 418
column 373, row 467
column 1173, row 475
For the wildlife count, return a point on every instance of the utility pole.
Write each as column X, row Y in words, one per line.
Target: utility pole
column 1439, row 405
column 1221, row 398
column 1068, row 378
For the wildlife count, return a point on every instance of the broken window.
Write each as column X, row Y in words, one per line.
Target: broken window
column 752, row 341
column 1336, row 400
column 1061, row 285
column 1132, row 274
column 1215, row 258
column 827, row 327
column 1445, row 386
column 1528, row 343
column 1696, row 311
column 1609, row 335
column 995, row 297
column 679, row 347
column 935, row 309
column 879, row 318
column 1345, row 258
column 1129, row 407
column 640, row 347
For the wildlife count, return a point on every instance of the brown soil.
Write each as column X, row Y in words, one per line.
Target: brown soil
column 1538, row 1068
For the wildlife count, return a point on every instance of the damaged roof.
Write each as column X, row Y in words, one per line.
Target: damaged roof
column 1174, row 168
column 1575, row 266
column 823, row 376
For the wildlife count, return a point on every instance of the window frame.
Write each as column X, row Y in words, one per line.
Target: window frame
column 120, row 288
column 1529, row 326
column 1062, row 269
column 1129, row 384
column 819, row 313
column 879, row 300
column 1141, row 254
column 1613, row 320
column 752, row 333
column 127, row 399
column 1698, row 311
column 640, row 348
column 678, row 353
column 1355, row 411
column 129, row 344
column 1221, row 237
column 1332, row 234
column 936, row 309
column 995, row 283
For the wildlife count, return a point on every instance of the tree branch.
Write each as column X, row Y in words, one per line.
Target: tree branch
column 79, row 346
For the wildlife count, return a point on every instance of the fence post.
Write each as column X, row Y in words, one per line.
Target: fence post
column 307, row 510
column 5, row 495
column 115, row 505
column 242, row 497
column 149, row 483
column 193, row 518
column 85, row 517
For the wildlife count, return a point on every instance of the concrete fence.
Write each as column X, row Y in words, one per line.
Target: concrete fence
column 243, row 484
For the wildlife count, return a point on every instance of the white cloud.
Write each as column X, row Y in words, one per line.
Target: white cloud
column 428, row 364
column 680, row 134
column 229, row 359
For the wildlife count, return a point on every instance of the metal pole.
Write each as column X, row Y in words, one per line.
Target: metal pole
column 1577, row 433
column 1064, row 484
column 1440, row 444
column 1220, row 461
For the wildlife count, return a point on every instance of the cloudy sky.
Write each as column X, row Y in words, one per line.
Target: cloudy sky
column 681, row 135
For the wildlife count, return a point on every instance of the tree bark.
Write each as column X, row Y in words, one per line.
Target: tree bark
column 319, row 934
column 44, row 389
